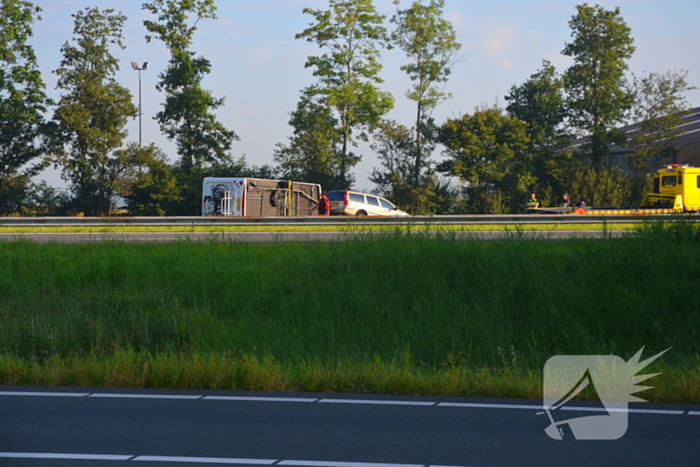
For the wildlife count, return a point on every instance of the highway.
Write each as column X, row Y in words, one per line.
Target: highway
column 271, row 237
column 49, row 427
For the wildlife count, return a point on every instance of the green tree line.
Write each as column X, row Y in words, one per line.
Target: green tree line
column 484, row 161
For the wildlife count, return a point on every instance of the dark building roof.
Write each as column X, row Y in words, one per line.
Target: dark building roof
column 690, row 132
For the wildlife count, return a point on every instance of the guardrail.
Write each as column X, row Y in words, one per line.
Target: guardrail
column 318, row 220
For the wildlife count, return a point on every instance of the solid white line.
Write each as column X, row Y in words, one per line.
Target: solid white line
column 490, row 406
column 48, row 455
column 345, row 464
column 48, row 394
column 143, row 396
column 204, row 460
column 260, row 399
column 376, row 402
column 693, row 413
column 602, row 409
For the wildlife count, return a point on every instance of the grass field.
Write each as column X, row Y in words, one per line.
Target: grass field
column 387, row 313
column 319, row 228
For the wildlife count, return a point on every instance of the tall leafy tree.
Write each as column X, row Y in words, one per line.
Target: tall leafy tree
column 395, row 147
column 93, row 111
column 595, row 83
column 484, row 150
column 430, row 42
column 351, row 32
column 187, row 116
column 313, row 152
column 658, row 110
column 22, row 103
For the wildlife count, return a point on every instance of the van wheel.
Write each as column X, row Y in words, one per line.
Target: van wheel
column 361, row 214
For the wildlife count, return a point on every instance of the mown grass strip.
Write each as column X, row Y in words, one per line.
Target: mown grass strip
column 386, row 313
column 323, row 228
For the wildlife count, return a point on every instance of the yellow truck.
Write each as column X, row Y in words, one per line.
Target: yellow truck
column 676, row 190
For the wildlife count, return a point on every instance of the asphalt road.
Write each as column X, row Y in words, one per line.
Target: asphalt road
column 111, row 427
column 268, row 237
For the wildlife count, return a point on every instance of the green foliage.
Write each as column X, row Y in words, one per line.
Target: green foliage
column 93, row 111
column 430, row 42
column 540, row 102
column 658, row 110
column 595, row 83
column 314, row 151
column 395, row 148
column 187, row 114
column 597, row 186
column 348, row 72
column 153, row 189
column 22, row 103
column 487, row 150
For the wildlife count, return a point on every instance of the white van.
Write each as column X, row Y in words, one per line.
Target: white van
column 354, row 203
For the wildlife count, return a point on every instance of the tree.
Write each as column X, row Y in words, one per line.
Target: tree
column 187, row 114
column 348, row 73
column 595, row 83
column 430, row 42
column 658, row 109
column 313, row 153
column 484, row 149
column 22, row 103
column 93, row 111
column 153, row 189
column 395, row 147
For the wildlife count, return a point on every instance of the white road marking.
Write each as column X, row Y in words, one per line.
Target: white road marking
column 47, row 455
column 489, row 406
column 204, row 460
column 259, row 399
column 337, row 401
column 602, row 409
column 344, row 464
column 143, row 396
column 375, row 402
column 46, row 394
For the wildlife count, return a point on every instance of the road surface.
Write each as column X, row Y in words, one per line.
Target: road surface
column 112, row 427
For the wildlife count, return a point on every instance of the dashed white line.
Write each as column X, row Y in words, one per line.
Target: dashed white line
column 337, row 401
column 345, row 464
column 489, row 406
column 259, row 399
column 204, row 460
column 44, row 394
column 143, row 396
column 46, row 455
column 374, row 402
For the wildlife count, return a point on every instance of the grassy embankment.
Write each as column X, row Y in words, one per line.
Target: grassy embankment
column 388, row 313
column 418, row 226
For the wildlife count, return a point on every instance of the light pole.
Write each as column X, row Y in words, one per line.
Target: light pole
column 135, row 66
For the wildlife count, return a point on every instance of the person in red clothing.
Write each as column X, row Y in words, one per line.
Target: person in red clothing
column 324, row 205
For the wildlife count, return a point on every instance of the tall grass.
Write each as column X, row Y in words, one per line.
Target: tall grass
column 349, row 315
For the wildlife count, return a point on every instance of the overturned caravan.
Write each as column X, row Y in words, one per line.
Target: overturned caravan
column 256, row 197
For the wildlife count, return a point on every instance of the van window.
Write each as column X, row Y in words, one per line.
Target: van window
column 386, row 204
column 373, row 201
column 335, row 195
column 358, row 198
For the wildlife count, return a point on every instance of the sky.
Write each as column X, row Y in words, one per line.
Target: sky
column 258, row 66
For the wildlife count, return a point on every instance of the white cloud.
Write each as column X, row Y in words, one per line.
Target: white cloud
column 500, row 39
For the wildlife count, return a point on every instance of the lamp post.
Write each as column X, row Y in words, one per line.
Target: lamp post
column 136, row 66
